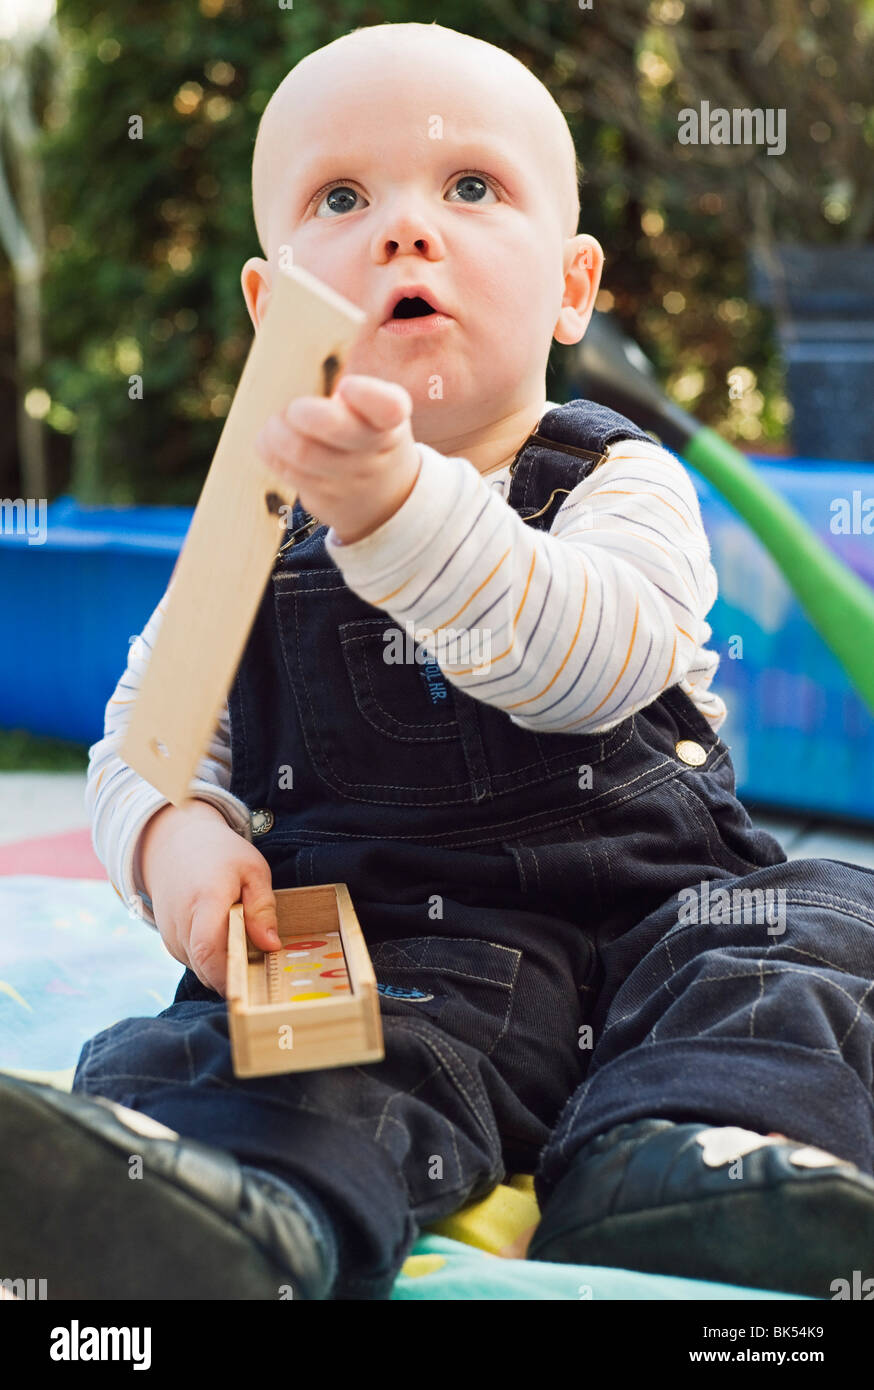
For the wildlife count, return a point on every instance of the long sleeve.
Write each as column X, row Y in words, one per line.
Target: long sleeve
column 584, row 624
column 120, row 802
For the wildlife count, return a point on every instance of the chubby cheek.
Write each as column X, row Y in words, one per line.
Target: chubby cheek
column 505, row 344
column 512, row 301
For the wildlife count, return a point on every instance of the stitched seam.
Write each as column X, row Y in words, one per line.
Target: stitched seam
column 447, row 732
column 508, row 986
column 348, row 788
column 433, row 1042
column 448, row 726
column 510, row 991
column 690, row 803
column 757, row 1000
column 779, row 968
column 807, row 898
column 384, row 1115
column 498, row 831
column 567, row 1123
column 687, row 809
column 823, row 960
column 442, row 970
column 691, row 794
column 138, row 1076
column 575, row 1110
column 855, row 1019
column 382, row 953
column 673, row 968
column 594, row 885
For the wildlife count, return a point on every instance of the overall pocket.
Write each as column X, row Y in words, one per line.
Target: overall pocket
column 398, row 732
column 461, row 985
column 376, row 730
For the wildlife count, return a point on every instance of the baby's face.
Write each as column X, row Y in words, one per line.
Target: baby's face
column 425, row 170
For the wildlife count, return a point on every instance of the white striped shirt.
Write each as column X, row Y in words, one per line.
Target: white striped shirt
column 585, row 623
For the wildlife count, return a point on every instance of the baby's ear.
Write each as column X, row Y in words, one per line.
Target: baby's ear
column 255, row 280
column 583, row 264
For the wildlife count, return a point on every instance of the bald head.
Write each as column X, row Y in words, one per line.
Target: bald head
column 465, row 81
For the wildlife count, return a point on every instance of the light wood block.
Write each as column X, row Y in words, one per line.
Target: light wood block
column 234, row 535
column 273, row 1031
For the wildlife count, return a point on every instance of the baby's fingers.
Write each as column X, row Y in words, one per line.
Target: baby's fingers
column 259, row 906
column 361, row 411
column 382, row 405
column 208, row 943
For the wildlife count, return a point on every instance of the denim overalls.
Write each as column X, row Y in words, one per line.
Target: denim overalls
column 543, row 976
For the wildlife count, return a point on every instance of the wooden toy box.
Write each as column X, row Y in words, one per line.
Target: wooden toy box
column 311, row 1005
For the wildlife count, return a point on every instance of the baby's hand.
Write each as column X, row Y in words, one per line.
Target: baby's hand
column 195, row 867
column 351, row 456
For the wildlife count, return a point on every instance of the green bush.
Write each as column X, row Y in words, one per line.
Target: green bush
column 147, row 237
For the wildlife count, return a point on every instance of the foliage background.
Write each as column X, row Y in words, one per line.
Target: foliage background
column 146, row 239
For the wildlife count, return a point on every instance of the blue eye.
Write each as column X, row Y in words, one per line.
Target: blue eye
column 344, row 199
column 341, row 197
column 472, row 186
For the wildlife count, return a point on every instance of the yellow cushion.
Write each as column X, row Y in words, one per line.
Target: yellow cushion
column 502, row 1223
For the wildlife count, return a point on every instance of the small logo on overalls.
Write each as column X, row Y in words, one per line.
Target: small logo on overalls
column 434, row 682
column 396, row 992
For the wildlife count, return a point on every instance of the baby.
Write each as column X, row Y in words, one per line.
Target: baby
column 523, row 817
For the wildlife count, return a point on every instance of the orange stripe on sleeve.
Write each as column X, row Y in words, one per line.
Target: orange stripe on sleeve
column 625, row 492
column 551, row 683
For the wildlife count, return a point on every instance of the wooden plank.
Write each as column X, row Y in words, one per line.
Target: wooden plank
column 234, row 535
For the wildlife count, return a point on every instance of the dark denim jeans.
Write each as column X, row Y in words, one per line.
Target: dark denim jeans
column 490, row 1072
column 543, row 915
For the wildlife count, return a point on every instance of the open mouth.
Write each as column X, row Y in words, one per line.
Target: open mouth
column 415, row 308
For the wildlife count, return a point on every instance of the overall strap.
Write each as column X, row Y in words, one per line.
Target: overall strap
column 569, row 442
